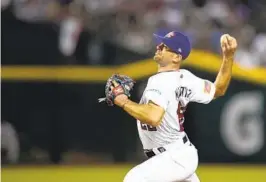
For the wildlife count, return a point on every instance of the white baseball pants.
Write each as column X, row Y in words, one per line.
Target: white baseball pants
column 176, row 164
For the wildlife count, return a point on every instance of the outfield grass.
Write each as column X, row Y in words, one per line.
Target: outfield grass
column 207, row 173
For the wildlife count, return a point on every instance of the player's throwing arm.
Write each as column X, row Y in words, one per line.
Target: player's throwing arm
column 228, row 45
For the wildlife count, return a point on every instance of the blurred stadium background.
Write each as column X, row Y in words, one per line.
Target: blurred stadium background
column 57, row 54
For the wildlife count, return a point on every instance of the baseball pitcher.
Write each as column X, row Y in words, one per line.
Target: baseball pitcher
column 160, row 112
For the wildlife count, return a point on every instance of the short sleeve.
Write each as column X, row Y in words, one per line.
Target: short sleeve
column 203, row 90
column 157, row 96
column 156, row 92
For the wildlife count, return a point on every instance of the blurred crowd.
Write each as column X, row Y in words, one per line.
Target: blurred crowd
column 130, row 23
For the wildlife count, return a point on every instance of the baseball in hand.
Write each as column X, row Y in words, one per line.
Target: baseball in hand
column 228, row 45
column 223, row 38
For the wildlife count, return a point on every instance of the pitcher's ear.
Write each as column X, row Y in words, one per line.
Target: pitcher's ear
column 177, row 58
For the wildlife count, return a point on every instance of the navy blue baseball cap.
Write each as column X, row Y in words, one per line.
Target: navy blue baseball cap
column 176, row 41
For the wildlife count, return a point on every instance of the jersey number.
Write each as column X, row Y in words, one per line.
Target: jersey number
column 180, row 114
column 148, row 127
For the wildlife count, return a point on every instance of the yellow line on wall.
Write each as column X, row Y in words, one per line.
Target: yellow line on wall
column 201, row 60
column 206, row 173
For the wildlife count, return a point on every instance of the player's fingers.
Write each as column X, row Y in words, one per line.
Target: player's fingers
column 234, row 43
column 223, row 47
column 226, row 45
column 231, row 45
column 228, row 42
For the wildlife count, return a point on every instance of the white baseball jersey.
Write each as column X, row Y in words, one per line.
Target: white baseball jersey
column 172, row 91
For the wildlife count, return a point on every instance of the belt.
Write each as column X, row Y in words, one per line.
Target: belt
column 150, row 153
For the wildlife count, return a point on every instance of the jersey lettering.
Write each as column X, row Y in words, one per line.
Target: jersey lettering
column 183, row 92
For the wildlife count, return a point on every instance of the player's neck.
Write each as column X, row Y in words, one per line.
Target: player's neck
column 168, row 68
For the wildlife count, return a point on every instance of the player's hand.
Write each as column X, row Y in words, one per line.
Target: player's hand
column 115, row 86
column 121, row 99
column 228, row 45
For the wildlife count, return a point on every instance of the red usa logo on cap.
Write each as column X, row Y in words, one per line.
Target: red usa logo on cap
column 170, row 34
